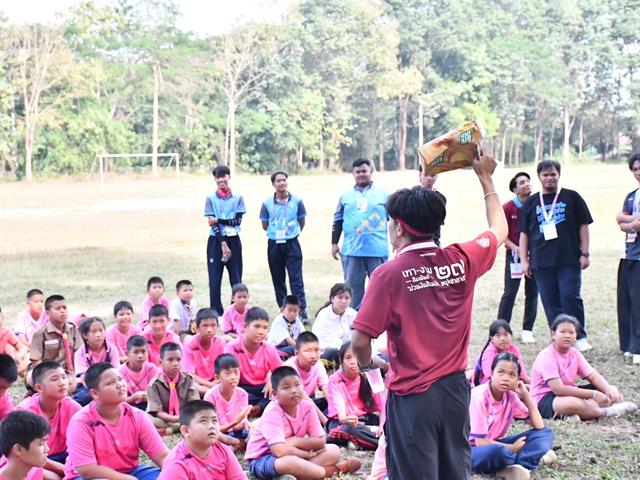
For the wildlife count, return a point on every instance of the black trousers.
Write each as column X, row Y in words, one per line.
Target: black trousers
column 428, row 433
column 286, row 258
column 629, row 305
column 216, row 267
column 511, row 287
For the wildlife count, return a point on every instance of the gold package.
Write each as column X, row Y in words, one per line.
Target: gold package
column 455, row 149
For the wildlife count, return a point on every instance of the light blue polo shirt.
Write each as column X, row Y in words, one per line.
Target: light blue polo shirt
column 283, row 217
column 364, row 222
column 224, row 209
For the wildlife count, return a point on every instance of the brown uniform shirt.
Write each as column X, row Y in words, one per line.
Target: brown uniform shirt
column 48, row 344
column 158, row 392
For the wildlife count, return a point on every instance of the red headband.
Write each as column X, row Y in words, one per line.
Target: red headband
column 411, row 230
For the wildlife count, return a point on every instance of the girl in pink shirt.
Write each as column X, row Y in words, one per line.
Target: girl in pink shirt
column 354, row 410
column 236, row 313
column 123, row 328
column 500, row 340
column 553, row 380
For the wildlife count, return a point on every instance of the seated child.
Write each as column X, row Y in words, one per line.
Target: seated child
column 57, row 339
column 500, row 340
column 158, row 333
column 95, row 349
column 200, row 455
column 286, row 327
column 230, row 401
column 32, row 317
column 233, row 319
column 23, row 444
column 311, row 370
column 104, row 438
column 289, row 440
column 170, row 390
column 12, row 346
column 155, row 296
column 333, row 323
column 353, row 407
column 8, row 375
column 256, row 357
column 201, row 351
column 52, row 403
column 138, row 372
column 492, row 408
column 123, row 329
column 182, row 311
column 553, row 380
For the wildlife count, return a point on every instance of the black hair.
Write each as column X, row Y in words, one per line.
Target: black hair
column 94, row 373
column 547, row 164
column 256, row 313
column 84, row 328
column 183, row 283
column 33, row 292
column 154, row 281
column 136, row 341
column 290, row 300
column 206, row 314
column 281, row 372
column 41, row 369
column 48, row 303
column 21, row 427
column 238, row 287
column 365, row 393
column 122, row 305
column 224, row 361
column 337, row 289
column 633, row 159
column 276, row 173
column 306, row 337
column 190, row 409
column 361, row 161
column 513, row 183
column 494, row 328
column 158, row 311
column 423, row 210
column 8, row 368
column 169, row 347
column 221, row 171
column 506, row 357
column 564, row 318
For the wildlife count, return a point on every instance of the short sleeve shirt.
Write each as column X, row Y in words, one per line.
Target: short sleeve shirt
column 139, row 381
column 158, row 392
column 182, row 463
column 227, row 409
column 200, row 361
column 26, row 325
column 512, row 214
column 6, row 405
column 490, row 353
column 7, row 337
column 281, row 330
column 146, row 307
column 332, row 329
column 226, row 208
column 154, row 347
column 254, row 368
column 233, row 320
column 48, row 344
column 344, row 397
column 282, row 217
column 313, row 379
column 119, row 339
column 631, row 206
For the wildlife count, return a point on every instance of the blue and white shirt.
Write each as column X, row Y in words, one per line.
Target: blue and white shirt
column 283, row 217
column 224, row 208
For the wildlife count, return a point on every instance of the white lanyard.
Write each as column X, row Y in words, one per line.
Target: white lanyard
column 549, row 215
column 286, row 208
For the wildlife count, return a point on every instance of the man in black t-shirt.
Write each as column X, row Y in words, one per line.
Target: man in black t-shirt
column 554, row 229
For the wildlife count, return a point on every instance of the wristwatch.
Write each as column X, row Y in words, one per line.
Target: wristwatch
column 585, row 254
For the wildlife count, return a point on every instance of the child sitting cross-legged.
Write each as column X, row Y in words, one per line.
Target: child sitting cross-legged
column 138, row 372
column 201, row 350
column 23, row 444
column 158, row 332
column 200, row 455
column 289, row 440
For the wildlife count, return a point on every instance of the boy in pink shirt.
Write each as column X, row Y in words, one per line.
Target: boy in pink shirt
column 201, row 351
column 158, row 333
column 23, row 444
column 233, row 319
column 32, row 317
column 289, row 440
column 311, row 370
column 200, row 455
column 257, row 358
column 105, row 438
column 8, row 375
column 155, row 296
column 138, row 372
column 123, row 328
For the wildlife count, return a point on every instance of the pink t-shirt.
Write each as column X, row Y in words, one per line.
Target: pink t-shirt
column 7, row 337
column 57, row 439
column 491, row 418
column 276, row 425
column 146, row 306
column 227, row 409
column 119, row 339
column 344, row 397
column 83, row 359
column 550, row 364
column 254, row 368
column 490, row 353
column 197, row 360
column 139, row 381
column 154, row 348
column 183, row 464
column 26, row 325
column 36, row 473
column 313, row 379
column 92, row 440
column 6, row 405
column 233, row 321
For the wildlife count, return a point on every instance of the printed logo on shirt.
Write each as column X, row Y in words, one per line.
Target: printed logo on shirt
column 483, row 242
column 559, row 214
column 436, row 276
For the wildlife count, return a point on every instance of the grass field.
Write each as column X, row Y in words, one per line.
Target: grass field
column 97, row 244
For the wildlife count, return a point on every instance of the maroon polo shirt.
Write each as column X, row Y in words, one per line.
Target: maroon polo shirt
column 423, row 299
column 512, row 212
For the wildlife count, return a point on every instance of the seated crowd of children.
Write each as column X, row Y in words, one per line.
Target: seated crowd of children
column 97, row 396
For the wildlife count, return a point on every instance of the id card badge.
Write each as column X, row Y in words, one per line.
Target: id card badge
column 516, row 270
column 374, row 377
column 362, row 204
column 631, row 237
column 549, row 231
column 230, row 232
column 281, row 235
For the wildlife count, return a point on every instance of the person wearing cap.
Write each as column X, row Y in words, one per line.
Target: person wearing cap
column 520, row 184
column 423, row 300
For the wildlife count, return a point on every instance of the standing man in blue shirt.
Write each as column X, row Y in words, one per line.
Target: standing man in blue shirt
column 283, row 216
column 362, row 216
column 224, row 212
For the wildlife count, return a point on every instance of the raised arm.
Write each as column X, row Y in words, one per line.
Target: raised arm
column 484, row 168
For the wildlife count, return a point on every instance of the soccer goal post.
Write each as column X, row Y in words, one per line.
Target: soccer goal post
column 174, row 160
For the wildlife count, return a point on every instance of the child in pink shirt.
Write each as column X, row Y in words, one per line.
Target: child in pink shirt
column 553, row 380
column 12, row 346
column 500, row 340
column 104, row 439
column 200, row 352
column 233, row 319
column 155, row 296
column 492, row 408
column 138, row 372
column 32, row 317
column 52, row 403
column 257, row 358
column 158, row 333
column 123, row 328
column 353, row 408
column 289, row 440
column 200, row 455
column 26, row 432
column 8, row 375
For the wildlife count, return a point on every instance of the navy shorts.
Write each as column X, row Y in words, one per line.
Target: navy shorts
column 263, row 468
column 545, row 406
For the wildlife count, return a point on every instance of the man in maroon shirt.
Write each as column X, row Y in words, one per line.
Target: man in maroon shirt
column 423, row 300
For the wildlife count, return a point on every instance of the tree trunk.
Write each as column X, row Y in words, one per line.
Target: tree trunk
column 568, row 126
column 580, row 140
column 232, row 136
column 28, row 149
column 225, row 148
column 504, row 146
column 299, row 163
column 511, row 147
column 420, row 125
column 321, row 150
column 402, row 147
column 551, row 142
column 154, row 141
